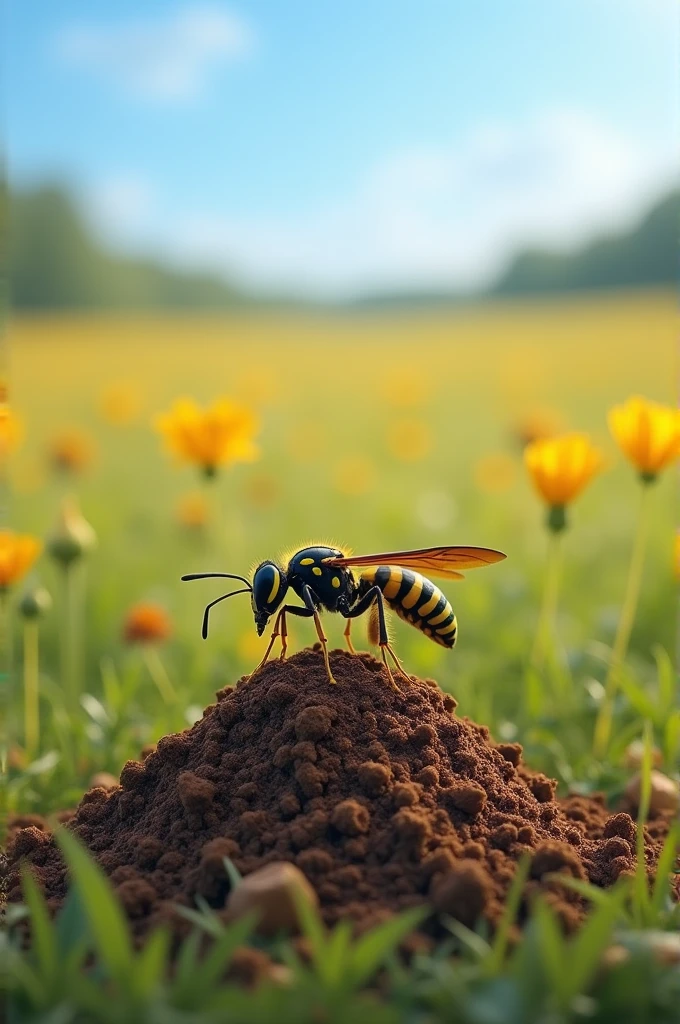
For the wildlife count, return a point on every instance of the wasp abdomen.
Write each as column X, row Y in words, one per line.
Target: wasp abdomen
column 416, row 600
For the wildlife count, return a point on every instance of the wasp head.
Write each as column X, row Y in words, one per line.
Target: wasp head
column 269, row 589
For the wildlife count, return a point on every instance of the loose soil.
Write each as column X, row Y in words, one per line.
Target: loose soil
column 383, row 798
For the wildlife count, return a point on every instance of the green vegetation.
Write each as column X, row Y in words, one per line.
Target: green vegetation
column 82, row 965
column 56, row 263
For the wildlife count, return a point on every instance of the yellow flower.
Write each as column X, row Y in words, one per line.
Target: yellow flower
column 409, row 439
column 70, row 451
column 647, row 433
column 11, row 430
column 219, row 435
column 18, row 552
column 406, row 387
column 120, row 403
column 561, row 467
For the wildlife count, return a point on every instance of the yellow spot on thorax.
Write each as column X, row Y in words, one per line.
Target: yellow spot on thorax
column 336, row 582
column 317, row 571
column 306, row 561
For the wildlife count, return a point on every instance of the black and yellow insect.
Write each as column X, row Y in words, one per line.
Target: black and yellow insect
column 323, row 579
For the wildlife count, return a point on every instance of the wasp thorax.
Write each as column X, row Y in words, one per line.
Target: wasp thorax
column 269, row 590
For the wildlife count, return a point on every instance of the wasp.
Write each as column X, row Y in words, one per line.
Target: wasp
column 323, row 579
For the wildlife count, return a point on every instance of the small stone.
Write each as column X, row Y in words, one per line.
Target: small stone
column 271, row 892
column 664, row 946
column 635, row 753
column 103, row 780
column 665, row 793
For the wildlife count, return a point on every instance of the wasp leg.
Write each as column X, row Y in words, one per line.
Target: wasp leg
column 284, row 636
column 311, row 610
column 348, row 638
column 281, row 630
column 375, row 596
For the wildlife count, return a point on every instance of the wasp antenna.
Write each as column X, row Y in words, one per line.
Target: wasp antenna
column 206, row 613
column 211, row 575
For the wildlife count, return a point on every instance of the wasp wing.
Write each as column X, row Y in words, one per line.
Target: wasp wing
column 442, row 562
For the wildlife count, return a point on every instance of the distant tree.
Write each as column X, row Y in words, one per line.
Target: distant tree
column 54, row 263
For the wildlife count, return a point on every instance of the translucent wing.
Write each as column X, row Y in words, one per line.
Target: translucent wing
column 442, row 562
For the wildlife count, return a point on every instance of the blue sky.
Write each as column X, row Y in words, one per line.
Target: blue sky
column 333, row 147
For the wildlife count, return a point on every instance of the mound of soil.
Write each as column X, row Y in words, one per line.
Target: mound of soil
column 383, row 799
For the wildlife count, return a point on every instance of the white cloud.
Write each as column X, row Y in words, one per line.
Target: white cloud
column 445, row 216
column 438, row 217
column 165, row 59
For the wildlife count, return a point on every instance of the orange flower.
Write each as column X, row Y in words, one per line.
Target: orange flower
column 262, row 491
column 647, row 433
column 11, row 430
column 70, row 451
column 18, row 552
column 146, row 623
column 219, row 435
column 193, row 511
column 561, row 467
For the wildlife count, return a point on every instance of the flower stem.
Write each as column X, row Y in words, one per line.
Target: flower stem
column 603, row 724
column 158, row 673
column 71, row 640
column 31, row 700
column 544, row 639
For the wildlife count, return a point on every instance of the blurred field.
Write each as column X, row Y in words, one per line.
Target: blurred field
column 378, row 431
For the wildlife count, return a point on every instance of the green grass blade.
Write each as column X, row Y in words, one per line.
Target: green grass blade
column 43, row 938
column 666, row 684
column 336, row 956
column 641, row 895
column 151, row 964
column 215, row 962
column 551, row 946
column 671, row 741
column 586, row 948
column 312, row 928
column 371, row 950
column 598, row 897
column 106, row 920
column 499, row 945
column 664, row 868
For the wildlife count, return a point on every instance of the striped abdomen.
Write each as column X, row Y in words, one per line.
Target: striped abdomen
column 415, row 599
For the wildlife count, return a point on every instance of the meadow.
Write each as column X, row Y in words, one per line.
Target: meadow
column 379, row 431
